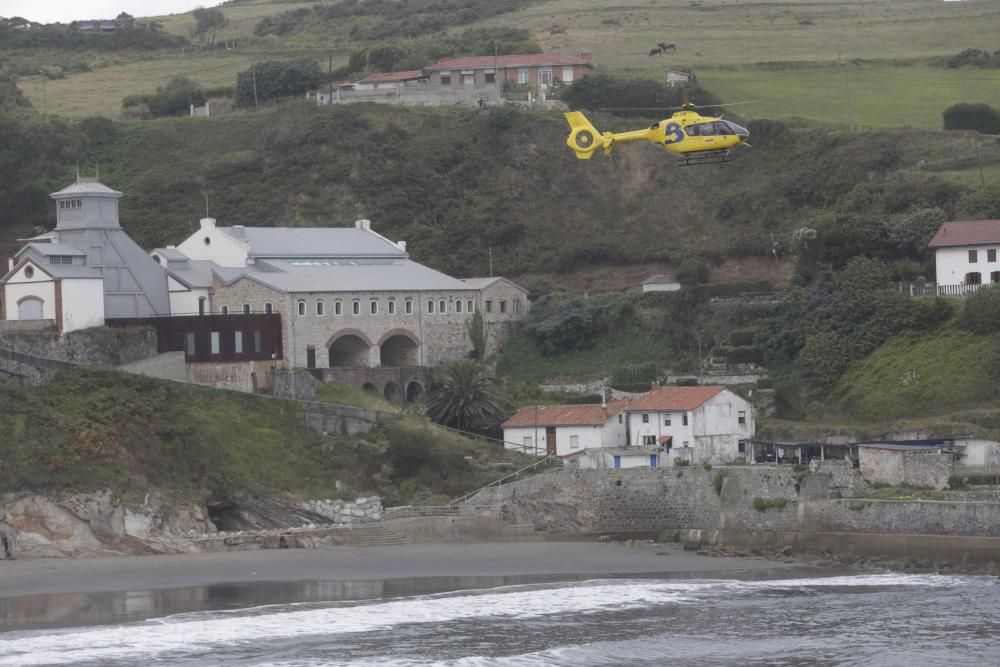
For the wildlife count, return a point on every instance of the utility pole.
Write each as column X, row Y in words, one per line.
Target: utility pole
column 496, row 70
column 256, row 103
column 330, row 77
column 491, row 261
column 45, row 96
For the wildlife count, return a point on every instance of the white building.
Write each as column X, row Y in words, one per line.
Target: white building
column 695, row 424
column 562, row 430
column 86, row 270
column 608, row 458
column 965, row 255
column 661, row 283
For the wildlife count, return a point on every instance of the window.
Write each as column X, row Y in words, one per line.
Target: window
column 189, row 344
column 991, row 255
column 320, row 308
column 430, row 306
column 446, row 78
column 60, row 259
column 574, row 442
column 302, row 307
column 649, row 439
column 545, row 77
column 741, row 417
column 215, row 342
column 489, row 306
column 722, row 127
column 470, row 306
column 666, row 420
column 224, row 310
column 973, row 256
column 373, row 307
column 741, row 446
column 528, row 442
column 29, row 272
column 516, row 305
column 700, row 130
column 201, row 305
column 356, row 307
column 256, row 342
column 489, row 76
column 995, row 276
column 685, row 422
column 503, row 306
column 268, row 308
column 408, row 306
column 442, row 306
column 974, row 278
column 392, row 307
column 645, row 419
column 619, row 419
column 458, row 305
column 567, row 76
column 208, row 241
column 338, row 307
column 238, row 342
column 522, row 76
column 71, row 203
column 246, row 308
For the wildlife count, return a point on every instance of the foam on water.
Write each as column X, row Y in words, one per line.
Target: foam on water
column 199, row 633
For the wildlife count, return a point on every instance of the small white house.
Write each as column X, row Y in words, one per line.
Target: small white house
column 695, row 424
column 661, row 283
column 607, row 458
column 965, row 255
column 562, row 430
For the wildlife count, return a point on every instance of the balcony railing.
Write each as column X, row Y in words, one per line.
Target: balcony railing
column 933, row 289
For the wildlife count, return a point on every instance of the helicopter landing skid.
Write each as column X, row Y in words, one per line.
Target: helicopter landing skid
column 705, row 157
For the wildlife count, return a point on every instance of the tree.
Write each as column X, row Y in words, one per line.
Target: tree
column 979, row 117
column 693, row 271
column 477, row 335
column 208, row 20
column 463, row 396
column 275, row 79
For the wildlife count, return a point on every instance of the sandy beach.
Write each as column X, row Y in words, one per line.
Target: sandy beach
column 90, row 575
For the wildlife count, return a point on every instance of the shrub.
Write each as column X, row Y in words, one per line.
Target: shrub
column 763, row 504
column 720, row 475
column 981, row 311
column 978, row 117
column 693, row 271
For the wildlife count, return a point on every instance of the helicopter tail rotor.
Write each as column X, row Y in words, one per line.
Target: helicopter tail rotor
column 583, row 137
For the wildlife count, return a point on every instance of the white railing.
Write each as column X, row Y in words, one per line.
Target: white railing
column 933, row 289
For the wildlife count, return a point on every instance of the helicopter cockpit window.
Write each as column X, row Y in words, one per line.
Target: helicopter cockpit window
column 654, row 126
column 737, row 129
column 700, row 130
column 722, row 127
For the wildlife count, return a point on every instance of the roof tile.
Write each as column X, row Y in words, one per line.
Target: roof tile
column 969, row 232
column 673, row 398
column 565, row 415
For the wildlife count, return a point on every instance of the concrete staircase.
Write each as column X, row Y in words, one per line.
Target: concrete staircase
column 372, row 535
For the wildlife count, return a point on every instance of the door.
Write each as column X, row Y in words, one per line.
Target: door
column 468, row 80
column 30, row 309
column 310, row 357
column 618, row 462
column 653, row 460
column 550, row 440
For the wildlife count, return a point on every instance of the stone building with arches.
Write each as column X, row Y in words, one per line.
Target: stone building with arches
column 349, row 298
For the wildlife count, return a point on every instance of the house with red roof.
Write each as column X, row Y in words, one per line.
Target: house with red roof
column 693, row 424
column 965, row 255
column 539, row 70
column 393, row 80
column 560, row 430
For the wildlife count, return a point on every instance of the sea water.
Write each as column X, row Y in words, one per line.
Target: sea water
column 869, row 619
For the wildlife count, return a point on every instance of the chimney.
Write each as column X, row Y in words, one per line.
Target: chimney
column 363, row 224
column 10, row 263
column 207, row 223
column 401, row 245
column 604, row 397
column 237, row 230
column 586, row 55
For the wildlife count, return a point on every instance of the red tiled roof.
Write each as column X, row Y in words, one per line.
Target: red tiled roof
column 970, row 232
column 565, row 415
column 382, row 77
column 673, row 398
column 528, row 60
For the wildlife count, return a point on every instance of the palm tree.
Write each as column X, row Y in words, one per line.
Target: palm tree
column 463, row 395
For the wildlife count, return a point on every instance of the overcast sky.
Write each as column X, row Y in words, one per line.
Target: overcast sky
column 64, row 11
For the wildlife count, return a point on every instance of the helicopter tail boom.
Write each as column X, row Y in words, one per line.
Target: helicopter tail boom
column 583, row 137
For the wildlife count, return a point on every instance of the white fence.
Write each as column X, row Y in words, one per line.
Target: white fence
column 933, row 289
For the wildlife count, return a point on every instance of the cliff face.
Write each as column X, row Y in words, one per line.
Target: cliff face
column 96, row 524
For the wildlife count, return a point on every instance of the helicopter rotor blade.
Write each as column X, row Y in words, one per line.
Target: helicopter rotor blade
column 688, row 106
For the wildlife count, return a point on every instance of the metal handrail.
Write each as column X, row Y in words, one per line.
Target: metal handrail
column 512, row 476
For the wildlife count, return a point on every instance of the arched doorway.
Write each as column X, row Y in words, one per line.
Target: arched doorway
column 30, row 308
column 368, row 386
column 398, row 348
column 414, row 392
column 349, row 351
column 392, row 393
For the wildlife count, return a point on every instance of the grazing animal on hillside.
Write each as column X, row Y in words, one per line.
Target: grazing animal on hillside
column 557, row 30
column 656, row 52
column 667, row 47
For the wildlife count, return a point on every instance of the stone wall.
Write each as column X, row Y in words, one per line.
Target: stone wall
column 245, row 376
column 345, row 513
column 341, row 419
column 929, row 467
column 99, row 346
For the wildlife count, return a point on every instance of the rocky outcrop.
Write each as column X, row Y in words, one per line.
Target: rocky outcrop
column 94, row 524
column 341, row 512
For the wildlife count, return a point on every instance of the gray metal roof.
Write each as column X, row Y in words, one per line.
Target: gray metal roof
column 664, row 279
column 52, row 249
column 362, row 275
column 56, row 270
column 195, row 273
column 483, row 283
column 170, row 254
column 85, row 187
column 306, row 242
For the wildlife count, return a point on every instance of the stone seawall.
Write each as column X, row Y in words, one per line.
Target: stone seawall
column 732, row 500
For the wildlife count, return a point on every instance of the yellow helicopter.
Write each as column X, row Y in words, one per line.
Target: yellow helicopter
column 694, row 138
